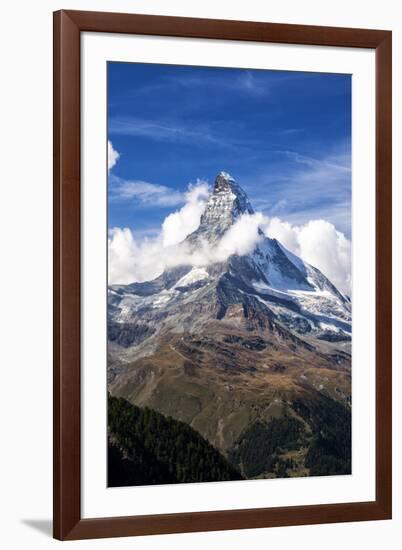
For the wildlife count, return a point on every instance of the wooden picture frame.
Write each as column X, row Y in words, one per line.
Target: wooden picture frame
column 68, row 26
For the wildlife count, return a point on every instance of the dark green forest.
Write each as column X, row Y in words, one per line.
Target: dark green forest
column 330, row 452
column 258, row 448
column 146, row 448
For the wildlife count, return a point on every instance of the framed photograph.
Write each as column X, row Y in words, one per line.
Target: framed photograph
column 222, row 268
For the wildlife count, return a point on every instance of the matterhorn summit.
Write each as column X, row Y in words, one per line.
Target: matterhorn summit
column 225, row 205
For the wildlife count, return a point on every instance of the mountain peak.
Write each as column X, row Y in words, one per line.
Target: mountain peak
column 225, row 175
column 225, row 183
column 226, row 203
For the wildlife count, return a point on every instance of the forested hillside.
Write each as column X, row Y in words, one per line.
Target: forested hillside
column 146, row 447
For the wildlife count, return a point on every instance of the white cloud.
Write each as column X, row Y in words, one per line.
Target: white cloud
column 181, row 223
column 316, row 242
column 242, row 237
column 112, row 155
column 131, row 261
column 329, row 250
column 141, row 260
column 122, row 262
column 284, row 232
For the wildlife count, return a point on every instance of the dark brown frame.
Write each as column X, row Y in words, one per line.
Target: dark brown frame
column 68, row 26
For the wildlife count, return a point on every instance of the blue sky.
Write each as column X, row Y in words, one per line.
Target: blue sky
column 284, row 136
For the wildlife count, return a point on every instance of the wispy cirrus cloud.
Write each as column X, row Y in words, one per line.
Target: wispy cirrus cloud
column 144, row 193
column 250, row 83
column 300, row 187
column 140, row 192
column 335, row 163
column 228, row 136
column 165, row 131
column 245, row 82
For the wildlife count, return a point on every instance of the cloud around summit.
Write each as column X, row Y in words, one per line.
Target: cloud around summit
column 136, row 259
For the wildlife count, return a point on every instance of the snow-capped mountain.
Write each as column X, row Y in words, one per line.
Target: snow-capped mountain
column 279, row 283
column 225, row 345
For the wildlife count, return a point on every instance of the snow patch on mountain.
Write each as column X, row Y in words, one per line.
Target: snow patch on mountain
column 196, row 274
